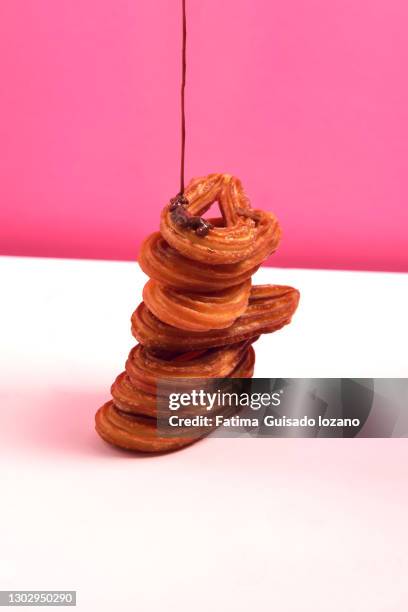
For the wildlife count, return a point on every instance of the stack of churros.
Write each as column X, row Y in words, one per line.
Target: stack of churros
column 200, row 313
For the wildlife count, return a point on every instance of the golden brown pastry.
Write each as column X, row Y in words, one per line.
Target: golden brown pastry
column 200, row 314
column 165, row 265
column 129, row 421
column 196, row 311
column 135, row 390
column 243, row 233
column 134, row 433
column 270, row 307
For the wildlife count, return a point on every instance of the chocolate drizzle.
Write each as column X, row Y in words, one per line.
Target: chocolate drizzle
column 183, row 87
column 182, row 218
column 178, row 204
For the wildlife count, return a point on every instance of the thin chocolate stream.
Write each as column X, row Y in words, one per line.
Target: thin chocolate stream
column 178, row 204
column 183, row 87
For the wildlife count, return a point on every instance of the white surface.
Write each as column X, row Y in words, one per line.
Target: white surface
column 225, row 524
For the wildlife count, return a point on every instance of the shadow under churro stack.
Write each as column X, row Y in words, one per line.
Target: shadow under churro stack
column 200, row 314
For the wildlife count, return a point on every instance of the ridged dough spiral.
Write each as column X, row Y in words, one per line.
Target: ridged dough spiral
column 200, row 314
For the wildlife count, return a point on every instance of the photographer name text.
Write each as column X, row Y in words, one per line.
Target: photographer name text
column 268, row 421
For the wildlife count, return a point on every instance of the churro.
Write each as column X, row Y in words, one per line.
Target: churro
column 200, row 314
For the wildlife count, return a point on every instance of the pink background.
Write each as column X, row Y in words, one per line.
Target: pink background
column 305, row 100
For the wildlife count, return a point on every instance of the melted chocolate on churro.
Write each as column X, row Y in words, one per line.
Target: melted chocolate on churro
column 182, row 217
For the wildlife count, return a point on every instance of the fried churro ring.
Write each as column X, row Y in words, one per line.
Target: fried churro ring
column 270, row 307
column 136, row 390
column 195, row 311
column 144, row 369
column 164, row 264
column 134, row 433
column 125, row 427
column 244, row 232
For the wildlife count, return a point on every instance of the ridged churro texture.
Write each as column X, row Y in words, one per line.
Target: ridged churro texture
column 200, row 314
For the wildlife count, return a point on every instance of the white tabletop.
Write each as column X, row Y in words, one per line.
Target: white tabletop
column 226, row 524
